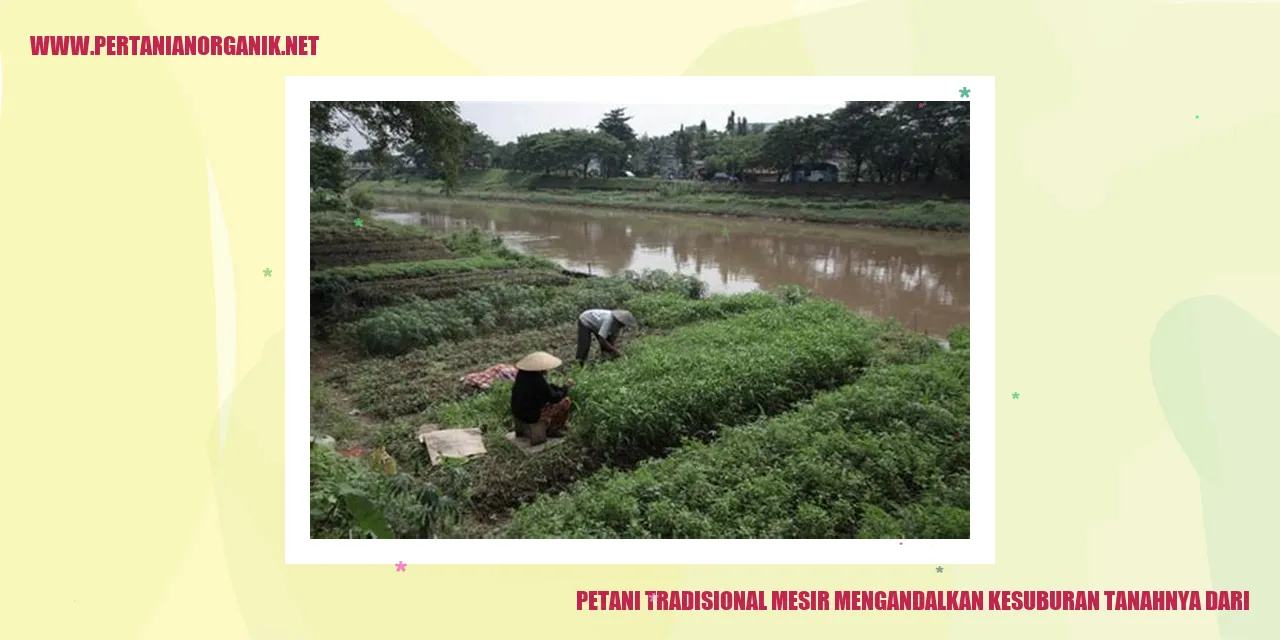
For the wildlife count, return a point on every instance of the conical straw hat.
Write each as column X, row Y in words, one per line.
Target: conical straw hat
column 625, row 317
column 538, row 361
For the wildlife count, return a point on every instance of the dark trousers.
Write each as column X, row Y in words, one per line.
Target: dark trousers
column 584, row 342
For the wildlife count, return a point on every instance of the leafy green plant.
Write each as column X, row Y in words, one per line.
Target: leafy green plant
column 666, row 311
column 698, row 378
column 351, row 500
column 884, row 457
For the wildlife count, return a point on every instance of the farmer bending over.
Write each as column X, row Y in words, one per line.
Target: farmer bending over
column 540, row 408
column 606, row 326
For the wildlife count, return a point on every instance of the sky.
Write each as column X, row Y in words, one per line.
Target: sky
column 506, row 121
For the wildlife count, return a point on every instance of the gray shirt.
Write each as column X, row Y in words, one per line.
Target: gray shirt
column 601, row 322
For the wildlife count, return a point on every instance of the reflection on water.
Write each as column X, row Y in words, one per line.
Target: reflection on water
column 921, row 278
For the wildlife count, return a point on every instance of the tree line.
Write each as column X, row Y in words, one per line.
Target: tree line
column 884, row 142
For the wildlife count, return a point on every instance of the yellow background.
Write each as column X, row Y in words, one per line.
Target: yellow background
column 1138, row 456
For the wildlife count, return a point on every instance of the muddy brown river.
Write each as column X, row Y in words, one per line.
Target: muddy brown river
column 920, row 278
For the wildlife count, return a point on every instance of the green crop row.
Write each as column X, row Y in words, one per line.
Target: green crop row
column 398, row 329
column 345, row 254
column 667, row 311
column 383, row 270
column 695, row 380
column 884, row 457
column 335, row 291
column 392, row 291
column 413, row 382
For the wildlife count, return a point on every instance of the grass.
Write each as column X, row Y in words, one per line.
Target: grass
column 699, row 198
column 884, row 457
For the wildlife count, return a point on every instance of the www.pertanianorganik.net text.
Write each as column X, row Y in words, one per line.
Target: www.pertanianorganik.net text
column 174, row 45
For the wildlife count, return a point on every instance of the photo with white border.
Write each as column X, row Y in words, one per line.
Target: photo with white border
column 979, row 548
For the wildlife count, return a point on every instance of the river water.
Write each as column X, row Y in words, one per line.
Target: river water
column 920, row 278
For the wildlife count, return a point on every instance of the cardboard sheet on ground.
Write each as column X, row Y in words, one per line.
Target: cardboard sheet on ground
column 523, row 443
column 452, row 443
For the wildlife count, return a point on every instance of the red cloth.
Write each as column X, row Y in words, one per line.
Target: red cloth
column 484, row 379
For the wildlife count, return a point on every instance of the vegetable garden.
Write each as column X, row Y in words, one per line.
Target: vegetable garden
column 766, row 414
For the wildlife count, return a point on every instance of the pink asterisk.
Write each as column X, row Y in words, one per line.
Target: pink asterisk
column 400, row 566
column 921, row 105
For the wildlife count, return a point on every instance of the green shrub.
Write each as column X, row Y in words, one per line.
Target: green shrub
column 884, row 457
column 361, row 200
column 692, row 381
column 326, row 200
column 473, row 241
column 654, row 281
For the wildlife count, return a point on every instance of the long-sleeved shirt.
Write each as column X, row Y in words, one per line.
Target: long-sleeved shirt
column 601, row 322
column 531, row 393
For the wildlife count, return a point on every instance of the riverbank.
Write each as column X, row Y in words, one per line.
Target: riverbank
column 839, row 203
column 405, row 312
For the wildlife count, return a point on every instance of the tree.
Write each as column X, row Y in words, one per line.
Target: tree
column 735, row 154
column 854, row 129
column 564, row 150
column 731, row 126
column 955, row 151
column 652, row 153
column 504, row 156
column 742, row 126
column 794, row 141
column 480, row 150
column 328, row 167
column 684, row 149
column 386, row 126
column 702, row 128
column 615, row 124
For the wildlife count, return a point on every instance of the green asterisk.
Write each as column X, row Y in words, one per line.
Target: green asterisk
column 939, row 569
column 1015, row 395
column 267, row 272
column 359, row 222
column 964, row 92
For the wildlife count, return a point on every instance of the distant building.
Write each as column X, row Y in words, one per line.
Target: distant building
column 813, row 172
